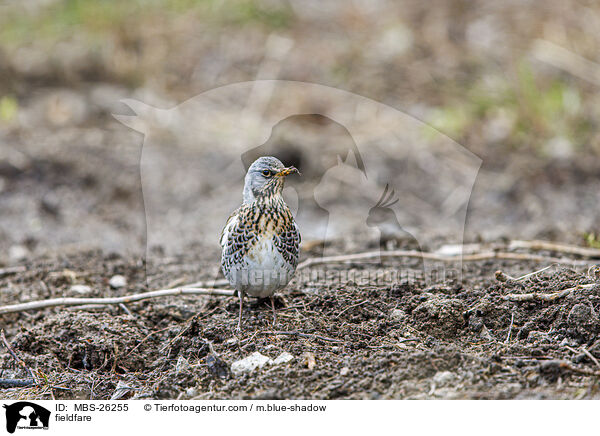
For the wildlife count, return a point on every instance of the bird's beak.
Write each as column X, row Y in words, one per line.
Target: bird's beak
column 287, row 171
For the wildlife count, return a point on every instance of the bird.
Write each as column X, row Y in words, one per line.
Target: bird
column 260, row 241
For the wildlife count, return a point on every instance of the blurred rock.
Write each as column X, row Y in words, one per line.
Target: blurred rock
column 538, row 337
column 65, row 108
column 106, row 98
column 559, row 148
column 31, row 61
column 583, row 320
column 17, row 253
column 80, row 289
column 182, row 365
column 117, row 281
column 398, row 315
column 309, row 360
column 50, row 204
column 444, row 377
column 284, row 357
column 391, row 42
column 216, row 366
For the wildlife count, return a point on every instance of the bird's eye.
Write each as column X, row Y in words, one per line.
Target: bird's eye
column 266, row 173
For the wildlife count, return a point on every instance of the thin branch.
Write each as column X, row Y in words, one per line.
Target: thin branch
column 42, row 304
column 302, row 335
column 512, row 320
column 16, row 383
column 566, row 365
column 15, row 356
column 559, row 248
column 501, row 276
column 538, row 296
column 435, row 257
column 350, row 307
column 591, row 356
column 11, row 270
column 531, row 274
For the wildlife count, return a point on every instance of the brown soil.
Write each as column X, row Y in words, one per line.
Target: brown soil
column 404, row 340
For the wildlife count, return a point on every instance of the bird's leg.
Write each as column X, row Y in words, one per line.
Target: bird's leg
column 241, row 295
column 273, row 307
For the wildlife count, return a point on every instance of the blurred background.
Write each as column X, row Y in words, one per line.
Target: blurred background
column 517, row 83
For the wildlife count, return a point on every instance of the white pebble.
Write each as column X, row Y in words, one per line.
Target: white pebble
column 81, row 289
column 443, row 377
column 249, row 364
column 17, row 253
column 182, row 364
column 284, row 357
column 398, row 315
column 117, row 281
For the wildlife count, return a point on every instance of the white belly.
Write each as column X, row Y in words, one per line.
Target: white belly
column 263, row 271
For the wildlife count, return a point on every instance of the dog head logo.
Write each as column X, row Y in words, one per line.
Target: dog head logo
column 24, row 414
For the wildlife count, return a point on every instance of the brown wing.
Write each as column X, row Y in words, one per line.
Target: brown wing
column 288, row 243
column 237, row 237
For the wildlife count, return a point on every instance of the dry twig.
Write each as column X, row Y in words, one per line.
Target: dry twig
column 16, row 383
column 42, row 304
column 537, row 296
column 512, row 320
column 558, row 248
column 486, row 255
column 566, row 365
column 302, row 335
column 11, row 270
column 21, row 363
column 591, row 356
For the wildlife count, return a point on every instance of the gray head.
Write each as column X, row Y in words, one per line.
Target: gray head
column 266, row 172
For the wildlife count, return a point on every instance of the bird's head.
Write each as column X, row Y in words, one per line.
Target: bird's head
column 265, row 177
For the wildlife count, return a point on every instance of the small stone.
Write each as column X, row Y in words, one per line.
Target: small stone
column 310, row 291
column 309, row 360
column 535, row 336
column 181, row 365
column 191, row 392
column 117, row 281
column 443, row 377
column 344, row 371
column 216, row 366
column 17, row 253
column 398, row 315
column 485, row 333
column 284, row 357
column 583, row 320
column 80, row 289
column 121, row 390
column 249, row 364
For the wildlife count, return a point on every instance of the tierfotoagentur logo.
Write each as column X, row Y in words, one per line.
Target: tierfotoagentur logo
column 25, row 415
